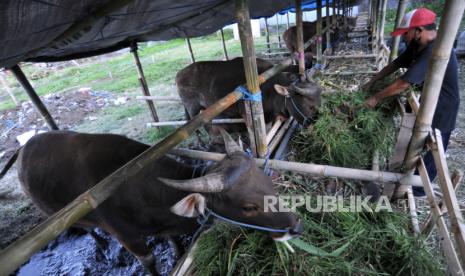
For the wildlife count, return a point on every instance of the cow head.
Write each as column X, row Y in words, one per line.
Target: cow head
column 234, row 188
column 302, row 100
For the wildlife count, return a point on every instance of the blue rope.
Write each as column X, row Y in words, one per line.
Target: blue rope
column 209, row 212
column 247, row 96
column 318, row 66
column 267, row 170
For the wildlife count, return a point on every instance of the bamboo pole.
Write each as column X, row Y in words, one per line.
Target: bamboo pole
column 328, row 24
column 279, row 136
column 189, row 47
column 277, row 31
column 334, row 16
column 224, row 45
column 271, row 133
column 160, row 98
column 287, row 20
column 143, row 81
column 7, row 88
column 450, row 21
column 214, row 121
column 38, row 104
column 382, row 22
column 300, row 38
column 348, row 73
column 314, row 169
column 413, row 211
column 396, row 39
column 352, row 56
column 449, row 196
column 21, row 250
column 254, row 109
column 319, row 40
column 453, row 262
column 267, row 35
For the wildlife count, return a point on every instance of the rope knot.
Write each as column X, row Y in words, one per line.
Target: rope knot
column 247, row 96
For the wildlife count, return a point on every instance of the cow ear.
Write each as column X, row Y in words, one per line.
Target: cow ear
column 191, row 206
column 281, row 90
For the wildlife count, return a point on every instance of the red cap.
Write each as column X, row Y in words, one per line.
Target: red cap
column 416, row 18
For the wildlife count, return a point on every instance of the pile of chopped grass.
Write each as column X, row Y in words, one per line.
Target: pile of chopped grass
column 346, row 133
column 359, row 243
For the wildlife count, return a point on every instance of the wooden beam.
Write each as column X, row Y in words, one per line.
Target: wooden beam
column 452, row 259
column 179, row 123
column 36, row 101
column 224, row 45
column 189, row 48
column 143, row 81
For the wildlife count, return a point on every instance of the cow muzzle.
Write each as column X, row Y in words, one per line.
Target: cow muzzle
column 293, row 232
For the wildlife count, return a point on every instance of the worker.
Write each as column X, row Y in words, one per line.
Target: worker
column 418, row 28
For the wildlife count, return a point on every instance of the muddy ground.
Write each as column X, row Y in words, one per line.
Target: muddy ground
column 76, row 253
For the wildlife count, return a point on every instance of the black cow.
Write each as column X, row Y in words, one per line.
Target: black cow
column 163, row 199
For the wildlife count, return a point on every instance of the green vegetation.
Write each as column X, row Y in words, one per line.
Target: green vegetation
column 346, row 133
column 360, row 244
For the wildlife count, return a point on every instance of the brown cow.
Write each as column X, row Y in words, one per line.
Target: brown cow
column 203, row 83
column 56, row 167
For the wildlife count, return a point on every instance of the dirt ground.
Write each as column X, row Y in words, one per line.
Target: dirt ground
column 74, row 253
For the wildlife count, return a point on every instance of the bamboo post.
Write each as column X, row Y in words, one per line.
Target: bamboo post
column 395, row 40
column 267, row 35
column 38, row 104
column 279, row 136
column 328, row 24
column 143, row 82
column 319, row 48
column 314, row 169
column 224, row 45
column 453, row 262
column 7, row 88
column 382, row 22
column 413, row 211
column 334, row 16
column 271, row 133
column 21, row 250
column 277, row 31
column 287, row 20
column 449, row 196
column 189, row 47
column 214, row 121
column 300, row 38
column 450, row 21
column 254, row 110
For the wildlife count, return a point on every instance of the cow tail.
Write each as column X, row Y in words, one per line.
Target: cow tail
column 10, row 163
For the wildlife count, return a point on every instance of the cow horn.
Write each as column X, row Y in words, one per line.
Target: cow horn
column 303, row 92
column 229, row 143
column 210, row 183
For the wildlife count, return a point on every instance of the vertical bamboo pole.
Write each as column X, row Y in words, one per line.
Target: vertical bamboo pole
column 256, row 115
column 319, row 39
column 40, row 107
column 300, row 38
column 382, row 23
column 224, row 45
column 267, row 35
column 287, row 20
column 395, row 41
column 334, row 16
column 189, row 47
column 143, row 82
column 328, row 23
column 277, row 30
column 450, row 21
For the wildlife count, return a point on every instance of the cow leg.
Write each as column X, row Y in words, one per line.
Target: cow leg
column 100, row 242
column 142, row 252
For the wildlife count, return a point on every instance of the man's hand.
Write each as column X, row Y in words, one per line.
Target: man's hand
column 371, row 102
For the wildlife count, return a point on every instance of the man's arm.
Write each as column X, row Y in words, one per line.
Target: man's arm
column 386, row 71
column 394, row 89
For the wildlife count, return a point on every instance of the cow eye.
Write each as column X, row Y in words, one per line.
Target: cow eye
column 249, row 208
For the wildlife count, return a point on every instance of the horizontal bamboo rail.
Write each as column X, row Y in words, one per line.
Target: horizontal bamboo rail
column 214, row 121
column 348, row 73
column 159, row 98
column 314, row 169
column 352, row 56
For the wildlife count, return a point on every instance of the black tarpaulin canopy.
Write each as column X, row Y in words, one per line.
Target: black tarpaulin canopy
column 54, row 30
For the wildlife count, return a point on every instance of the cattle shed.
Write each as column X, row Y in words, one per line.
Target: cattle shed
column 51, row 31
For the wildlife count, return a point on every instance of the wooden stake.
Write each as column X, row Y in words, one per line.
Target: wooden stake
column 179, row 123
column 254, row 109
column 38, row 104
column 143, row 82
column 319, row 38
column 450, row 21
column 224, row 45
column 453, row 262
column 189, row 47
